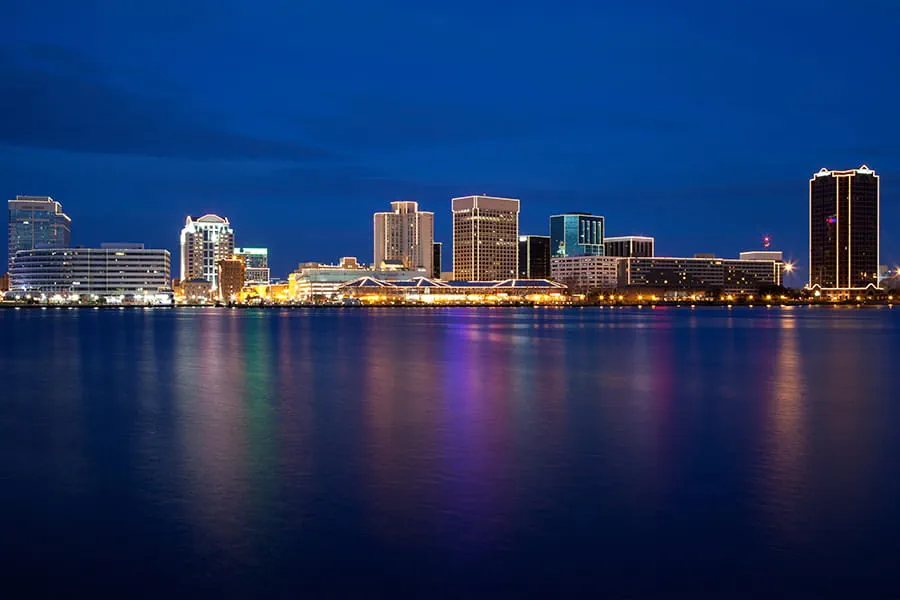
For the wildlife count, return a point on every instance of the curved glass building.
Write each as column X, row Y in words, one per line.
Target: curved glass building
column 127, row 270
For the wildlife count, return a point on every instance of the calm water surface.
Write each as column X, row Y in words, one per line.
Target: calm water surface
column 451, row 452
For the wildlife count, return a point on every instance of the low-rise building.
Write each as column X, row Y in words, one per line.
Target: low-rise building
column 585, row 273
column 124, row 271
column 313, row 282
column 700, row 274
column 231, row 277
column 196, row 291
column 432, row 291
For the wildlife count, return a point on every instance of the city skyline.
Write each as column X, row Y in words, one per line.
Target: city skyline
column 707, row 148
column 209, row 251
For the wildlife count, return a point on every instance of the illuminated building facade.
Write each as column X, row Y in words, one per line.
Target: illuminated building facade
column 534, row 257
column 127, row 270
column 230, row 277
column 586, row 273
column 316, row 282
column 204, row 242
column 628, row 246
column 700, row 274
column 432, row 291
column 485, row 238
column 256, row 264
column 4, row 282
column 196, row 291
column 844, row 229
column 37, row 222
column 405, row 234
column 576, row 234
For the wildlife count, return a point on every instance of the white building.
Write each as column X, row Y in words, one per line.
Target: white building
column 583, row 273
column 405, row 234
column 204, row 242
column 763, row 255
column 123, row 270
column 314, row 281
column 485, row 238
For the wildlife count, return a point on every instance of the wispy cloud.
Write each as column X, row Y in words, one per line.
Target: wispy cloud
column 55, row 99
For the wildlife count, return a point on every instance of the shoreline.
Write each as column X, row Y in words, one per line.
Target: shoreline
column 559, row 306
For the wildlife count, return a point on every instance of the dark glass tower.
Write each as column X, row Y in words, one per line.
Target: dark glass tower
column 534, row 257
column 844, row 229
column 436, row 259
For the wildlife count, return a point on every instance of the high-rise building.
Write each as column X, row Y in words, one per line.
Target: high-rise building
column 534, row 257
column 485, row 238
column 256, row 264
column 405, row 234
column 37, row 222
column 576, row 234
column 437, row 259
column 844, row 229
column 230, row 276
column 629, row 246
column 204, row 242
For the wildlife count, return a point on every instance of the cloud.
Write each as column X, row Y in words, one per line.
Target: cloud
column 373, row 120
column 54, row 99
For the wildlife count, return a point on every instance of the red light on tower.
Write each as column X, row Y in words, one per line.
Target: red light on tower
column 766, row 241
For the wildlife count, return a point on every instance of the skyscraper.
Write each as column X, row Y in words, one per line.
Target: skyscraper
column 37, row 222
column 534, row 257
column 204, row 242
column 405, row 234
column 437, row 259
column 576, row 234
column 844, row 229
column 485, row 238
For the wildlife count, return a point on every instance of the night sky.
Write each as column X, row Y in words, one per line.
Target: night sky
column 699, row 123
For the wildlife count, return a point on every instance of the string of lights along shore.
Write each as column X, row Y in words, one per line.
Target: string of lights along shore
column 492, row 260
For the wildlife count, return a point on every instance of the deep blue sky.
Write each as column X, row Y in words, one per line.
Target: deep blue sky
column 696, row 122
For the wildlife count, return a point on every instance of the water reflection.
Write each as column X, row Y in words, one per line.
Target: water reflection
column 210, row 379
column 784, row 457
column 507, row 443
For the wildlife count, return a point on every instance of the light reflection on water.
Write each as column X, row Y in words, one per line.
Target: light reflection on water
column 512, row 448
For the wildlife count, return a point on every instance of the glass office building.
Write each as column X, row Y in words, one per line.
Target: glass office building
column 256, row 264
column 534, row 257
column 629, row 246
column 37, row 222
column 576, row 234
column 437, row 259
